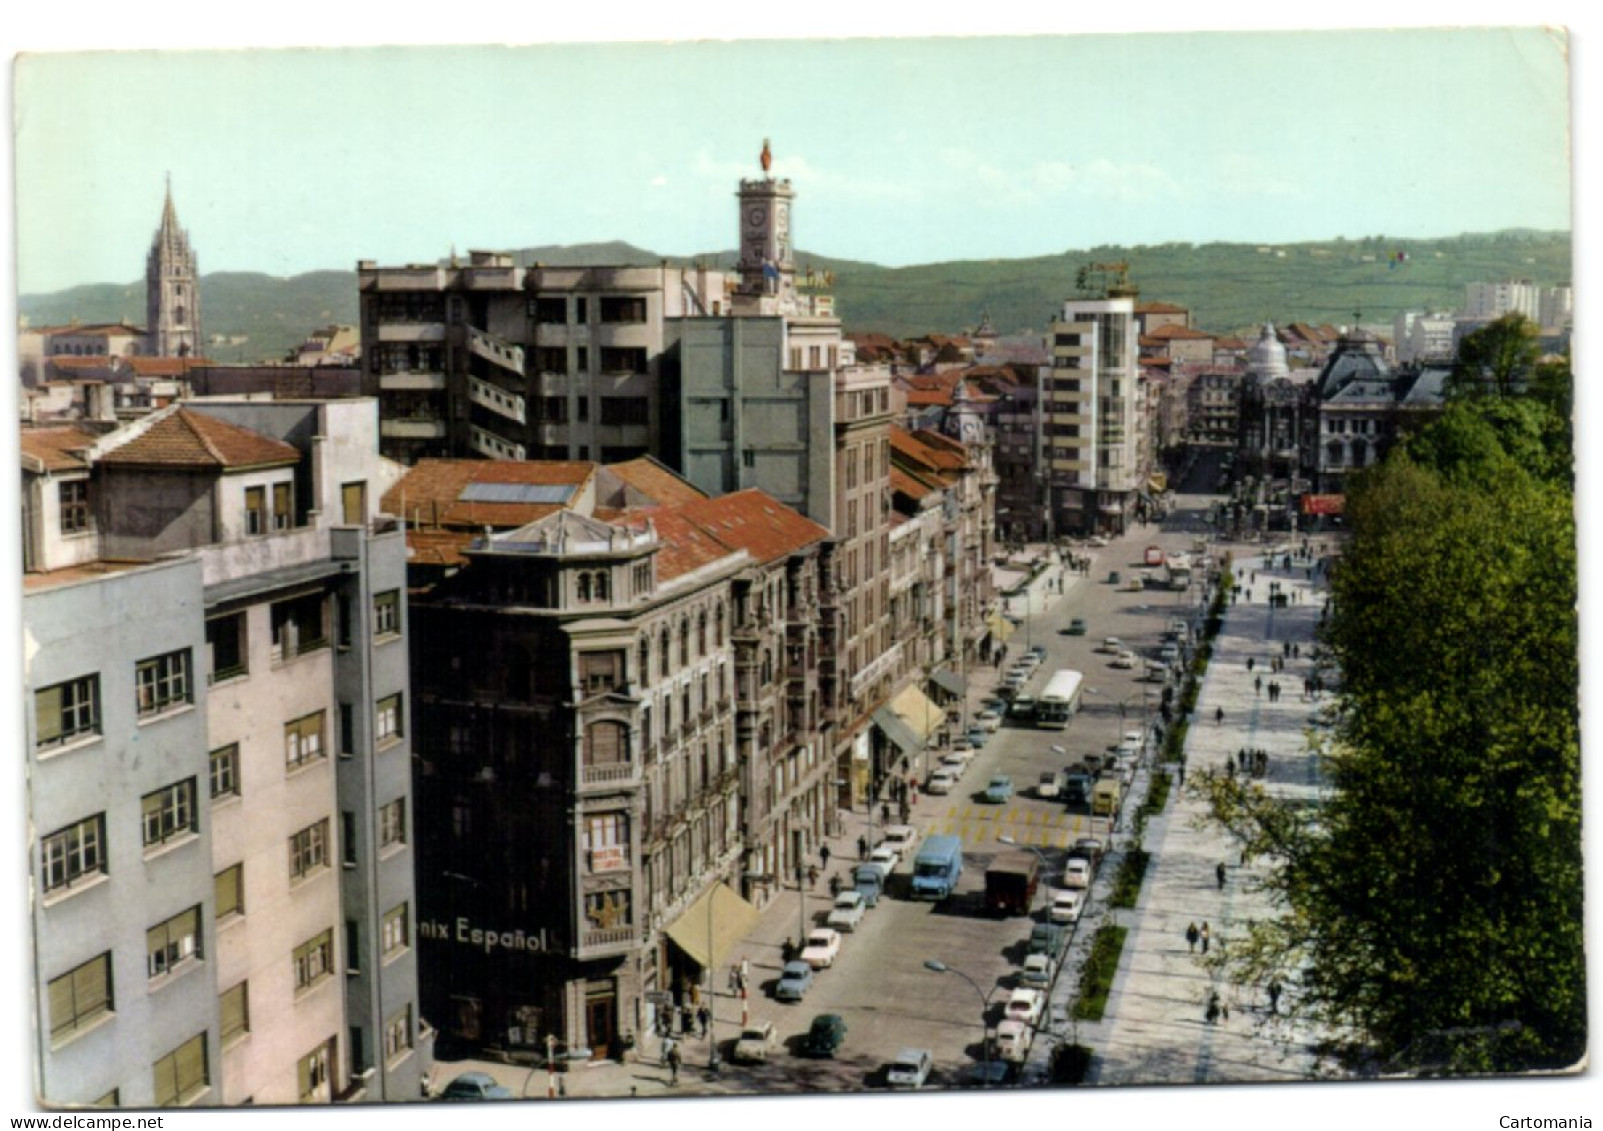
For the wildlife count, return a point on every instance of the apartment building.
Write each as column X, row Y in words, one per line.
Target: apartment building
column 1091, row 436
column 218, row 761
column 1548, row 307
column 489, row 359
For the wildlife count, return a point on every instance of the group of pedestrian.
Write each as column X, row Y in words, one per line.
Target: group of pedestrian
column 1195, row 935
column 1218, row 1010
column 1255, row 759
column 1313, row 686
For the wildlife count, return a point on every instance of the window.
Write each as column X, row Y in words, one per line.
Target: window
column 74, row 854
column 299, row 626
column 181, row 1075
column 225, row 771
column 583, row 415
column 233, row 1005
column 172, row 945
column 75, row 506
column 79, row 996
column 393, row 934
column 169, row 813
column 303, row 740
column 225, row 644
column 392, row 823
column 550, row 311
column 622, row 308
column 283, row 506
column 353, row 502
column 600, row 671
column 348, row 838
column 314, row 960
column 162, row 683
column 387, row 720
column 228, row 892
column 623, row 359
column 606, row 839
column 606, row 743
column 398, row 1034
column 65, row 711
column 387, row 613
column 255, row 510
column 625, row 410
column 308, row 850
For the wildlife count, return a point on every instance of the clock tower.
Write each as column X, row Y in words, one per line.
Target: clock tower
column 767, row 256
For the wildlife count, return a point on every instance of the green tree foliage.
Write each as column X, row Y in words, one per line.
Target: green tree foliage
column 1431, row 911
column 1499, row 358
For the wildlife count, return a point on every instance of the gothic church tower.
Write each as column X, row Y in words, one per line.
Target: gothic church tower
column 172, row 290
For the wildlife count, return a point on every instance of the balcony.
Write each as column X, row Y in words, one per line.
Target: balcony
column 495, row 351
column 600, row 942
column 880, row 666
column 411, row 382
column 496, row 399
column 411, row 331
column 611, row 775
column 413, row 429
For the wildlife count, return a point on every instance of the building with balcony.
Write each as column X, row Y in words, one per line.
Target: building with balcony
column 219, row 761
column 1091, row 440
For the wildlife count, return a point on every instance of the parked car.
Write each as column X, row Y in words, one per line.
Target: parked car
column 978, row 736
column 1066, row 906
column 1013, row 1042
column 961, row 752
column 825, row 1036
column 941, row 782
column 900, row 837
column 1047, row 938
column 1023, row 708
column 1077, row 874
column 795, row 979
column 1088, row 848
column 1125, row 659
column 1075, row 627
column 994, row 703
column 999, row 790
column 1047, row 787
column 886, row 857
column 755, row 1042
column 1038, row 970
column 823, row 947
column 1111, row 644
column 1131, row 738
column 475, row 1086
column 910, row 1069
column 954, row 763
column 1169, row 654
column 848, row 911
column 1025, row 1004
column 1038, row 651
column 985, row 1074
column 988, row 719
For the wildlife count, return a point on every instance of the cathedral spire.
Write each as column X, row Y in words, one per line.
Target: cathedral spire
column 172, row 288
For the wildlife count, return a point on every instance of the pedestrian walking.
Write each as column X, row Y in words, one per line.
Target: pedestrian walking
column 1192, row 935
column 1257, row 685
column 834, row 884
column 1224, row 1011
column 1296, row 652
column 1219, row 874
column 1274, row 996
column 1212, row 1012
column 823, row 854
column 885, row 813
column 703, row 1019
column 1204, row 934
column 1249, row 663
column 1182, row 773
column 1218, row 716
column 862, row 848
column 673, row 1065
column 812, row 876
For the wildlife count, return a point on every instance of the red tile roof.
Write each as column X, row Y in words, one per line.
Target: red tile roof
column 429, row 495
column 56, row 449
column 655, row 479
column 1229, row 344
column 929, row 396
column 1160, row 308
column 187, row 439
column 904, row 483
column 1171, row 331
column 164, row 366
column 94, row 329
column 437, row 547
column 754, row 521
column 929, row 454
column 685, row 545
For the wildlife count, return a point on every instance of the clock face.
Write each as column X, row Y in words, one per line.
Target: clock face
column 755, row 215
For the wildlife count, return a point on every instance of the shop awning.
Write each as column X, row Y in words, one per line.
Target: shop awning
column 949, row 681
column 915, row 709
column 894, row 729
column 721, row 916
column 1000, row 628
column 1158, row 482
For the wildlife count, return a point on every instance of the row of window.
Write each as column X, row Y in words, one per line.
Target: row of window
column 552, row 310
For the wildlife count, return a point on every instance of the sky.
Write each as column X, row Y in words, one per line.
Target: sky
column 901, row 151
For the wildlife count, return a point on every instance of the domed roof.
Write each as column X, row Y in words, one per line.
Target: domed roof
column 1358, row 359
column 1267, row 357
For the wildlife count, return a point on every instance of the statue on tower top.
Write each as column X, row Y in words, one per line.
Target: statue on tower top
column 767, row 157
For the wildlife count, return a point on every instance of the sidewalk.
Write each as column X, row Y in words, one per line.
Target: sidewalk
column 1155, row 1031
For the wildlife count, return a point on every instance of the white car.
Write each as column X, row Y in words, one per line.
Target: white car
column 960, row 751
column 754, row 1043
column 1025, row 1005
column 886, row 858
column 848, row 911
column 955, row 763
column 1125, row 659
column 900, row 837
column 941, row 782
column 1038, row 970
column 990, row 720
column 910, row 1069
column 1131, row 738
column 823, row 947
column 1013, row 1041
column 1169, row 654
column 1077, row 875
column 1111, row 644
column 1066, row 906
column 1047, row 787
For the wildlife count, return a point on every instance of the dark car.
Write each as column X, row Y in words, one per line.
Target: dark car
column 825, row 1036
column 475, row 1086
column 1075, row 627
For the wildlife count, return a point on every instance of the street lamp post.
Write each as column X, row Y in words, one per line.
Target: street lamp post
column 985, row 1004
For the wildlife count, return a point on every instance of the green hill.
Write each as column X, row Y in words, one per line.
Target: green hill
column 1229, row 287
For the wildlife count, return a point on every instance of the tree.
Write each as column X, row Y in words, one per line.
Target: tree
column 1431, row 909
column 1498, row 359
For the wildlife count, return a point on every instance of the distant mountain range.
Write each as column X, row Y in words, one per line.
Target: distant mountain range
column 1228, row 287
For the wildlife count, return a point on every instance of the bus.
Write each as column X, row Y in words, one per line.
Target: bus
column 1059, row 701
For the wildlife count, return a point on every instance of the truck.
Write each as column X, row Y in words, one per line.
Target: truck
column 1105, row 797
column 937, row 867
column 1010, row 883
